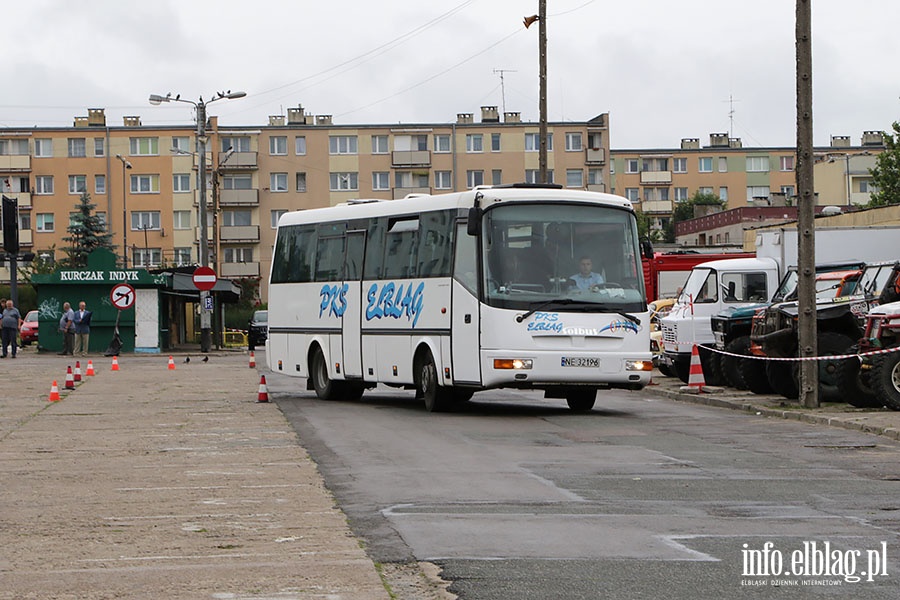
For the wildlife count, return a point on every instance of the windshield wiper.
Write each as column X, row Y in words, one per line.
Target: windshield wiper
column 587, row 307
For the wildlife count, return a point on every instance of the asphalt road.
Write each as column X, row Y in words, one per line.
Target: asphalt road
column 516, row 497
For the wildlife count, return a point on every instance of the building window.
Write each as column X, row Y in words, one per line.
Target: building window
column 77, row 148
column 533, row 142
column 43, row 185
column 44, row 222
column 237, row 182
column 380, row 144
column 342, row 144
column 77, row 184
column 278, row 145
column 146, row 257
column 237, row 218
column 574, row 178
column 705, row 164
column 681, row 194
column 442, row 180
column 238, row 255
column 147, row 219
column 13, row 147
column 496, row 177
column 787, row 163
column 757, row 192
column 278, row 182
column 181, row 219
column 237, row 143
column 474, row 142
column 145, row 184
column 441, row 143
column 181, row 143
column 679, row 165
column 181, row 182
column 632, row 165
column 788, row 190
column 656, row 194
column 654, row 164
column 595, row 177
column 99, row 147
column 301, row 182
column 534, row 175
column 705, row 191
column 183, row 257
column 275, row 215
column 633, row 194
column 381, row 180
column 573, row 142
column 300, row 145
column 723, row 164
column 43, row 148
column 145, row 146
column 757, row 164
column 495, row 142
column 723, row 194
column 474, row 178
column 99, row 184
column 406, row 179
column 344, row 182
column 24, row 221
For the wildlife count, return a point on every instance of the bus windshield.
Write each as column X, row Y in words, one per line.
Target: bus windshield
column 586, row 257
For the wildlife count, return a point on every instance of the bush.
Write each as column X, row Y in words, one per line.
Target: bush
column 27, row 296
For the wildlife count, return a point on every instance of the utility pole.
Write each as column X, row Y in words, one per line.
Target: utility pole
column 806, row 227
column 542, row 51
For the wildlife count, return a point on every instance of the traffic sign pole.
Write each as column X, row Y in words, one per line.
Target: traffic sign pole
column 204, row 280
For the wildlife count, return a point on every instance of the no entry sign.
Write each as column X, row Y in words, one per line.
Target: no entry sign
column 204, row 278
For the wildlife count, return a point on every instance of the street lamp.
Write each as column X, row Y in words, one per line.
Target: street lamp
column 200, row 106
column 125, row 165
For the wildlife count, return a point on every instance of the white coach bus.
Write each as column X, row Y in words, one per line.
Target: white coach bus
column 454, row 293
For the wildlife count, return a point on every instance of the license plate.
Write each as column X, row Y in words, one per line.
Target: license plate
column 578, row 361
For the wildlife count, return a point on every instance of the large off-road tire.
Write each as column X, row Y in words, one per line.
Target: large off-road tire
column 710, row 362
column 665, row 370
column 885, row 379
column 830, row 343
column 581, row 400
column 780, row 374
column 753, row 370
column 854, row 388
column 682, row 369
column 436, row 397
column 731, row 365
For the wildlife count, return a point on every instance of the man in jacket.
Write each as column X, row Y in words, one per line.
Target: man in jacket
column 82, row 329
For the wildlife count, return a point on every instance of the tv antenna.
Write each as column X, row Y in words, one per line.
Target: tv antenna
column 502, row 86
column 731, row 102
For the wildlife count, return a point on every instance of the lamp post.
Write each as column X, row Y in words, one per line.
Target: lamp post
column 200, row 106
column 125, row 165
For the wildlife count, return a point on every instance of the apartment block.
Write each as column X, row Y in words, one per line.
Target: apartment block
column 144, row 179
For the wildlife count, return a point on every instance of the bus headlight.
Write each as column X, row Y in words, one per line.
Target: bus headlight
column 638, row 365
column 516, row 364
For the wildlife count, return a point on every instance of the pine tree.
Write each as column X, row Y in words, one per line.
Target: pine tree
column 87, row 232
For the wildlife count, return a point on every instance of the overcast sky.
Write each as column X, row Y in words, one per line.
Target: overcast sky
column 664, row 70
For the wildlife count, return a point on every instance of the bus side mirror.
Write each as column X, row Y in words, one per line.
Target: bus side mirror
column 646, row 248
column 473, row 224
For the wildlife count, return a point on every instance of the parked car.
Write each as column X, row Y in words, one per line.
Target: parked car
column 258, row 329
column 29, row 331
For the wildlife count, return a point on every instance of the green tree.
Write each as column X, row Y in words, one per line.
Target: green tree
column 685, row 210
column 42, row 264
column 886, row 174
column 87, row 232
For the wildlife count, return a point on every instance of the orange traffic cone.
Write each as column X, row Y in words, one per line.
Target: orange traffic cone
column 77, row 375
column 115, row 365
column 696, row 382
column 171, row 364
column 90, row 369
column 252, row 360
column 70, row 379
column 263, row 391
column 54, row 393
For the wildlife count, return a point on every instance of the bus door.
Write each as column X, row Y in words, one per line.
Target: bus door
column 465, row 321
column 351, row 331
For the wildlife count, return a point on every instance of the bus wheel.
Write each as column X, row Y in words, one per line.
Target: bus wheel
column 325, row 387
column 437, row 398
column 581, row 400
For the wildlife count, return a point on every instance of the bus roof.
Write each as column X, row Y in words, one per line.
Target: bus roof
column 366, row 208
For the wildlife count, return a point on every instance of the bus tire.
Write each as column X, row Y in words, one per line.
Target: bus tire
column 326, row 389
column 581, row 400
column 437, row 398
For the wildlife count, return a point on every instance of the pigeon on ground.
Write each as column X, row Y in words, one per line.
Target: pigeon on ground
column 205, row 359
column 187, row 359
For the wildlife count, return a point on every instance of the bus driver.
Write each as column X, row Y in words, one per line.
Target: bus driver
column 585, row 278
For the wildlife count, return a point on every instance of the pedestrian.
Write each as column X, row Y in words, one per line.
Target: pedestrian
column 82, row 329
column 67, row 328
column 10, row 323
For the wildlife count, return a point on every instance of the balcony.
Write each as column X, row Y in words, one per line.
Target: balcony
column 15, row 162
column 239, row 161
column 238, row 197
column 657, row 207
column 242, row 233
column 24, row 199
column 656, row 177
column 402, row 192
column 595, row 156
column 411, row 158
column 250, row 269
column 25, row 237
column 596, row 187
